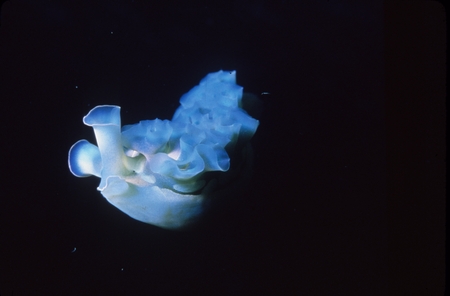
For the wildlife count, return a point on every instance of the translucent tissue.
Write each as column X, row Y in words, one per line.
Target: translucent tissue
column 167, row 173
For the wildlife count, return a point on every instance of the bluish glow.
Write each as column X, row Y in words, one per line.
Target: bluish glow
column 161, row 171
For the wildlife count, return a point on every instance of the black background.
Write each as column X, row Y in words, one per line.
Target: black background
column 347, row 191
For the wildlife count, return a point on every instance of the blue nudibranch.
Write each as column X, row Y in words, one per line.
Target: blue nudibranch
column 161, row 172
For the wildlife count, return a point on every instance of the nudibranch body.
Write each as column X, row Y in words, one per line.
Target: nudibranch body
column 164, row 172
